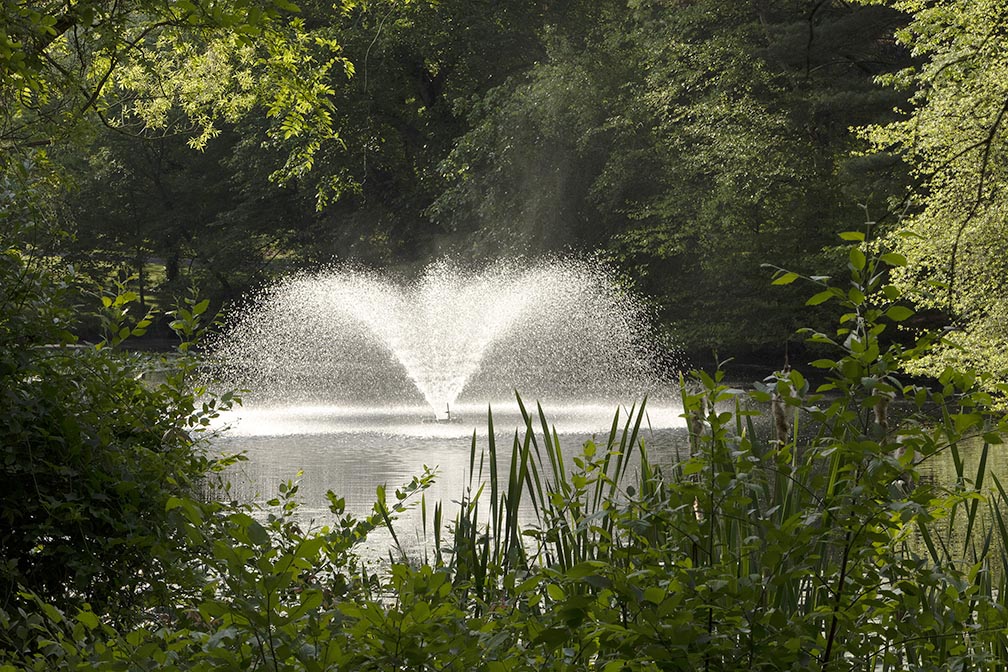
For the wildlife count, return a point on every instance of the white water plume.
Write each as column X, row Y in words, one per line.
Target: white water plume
column 559, row 328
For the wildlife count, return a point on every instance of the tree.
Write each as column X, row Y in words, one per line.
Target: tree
column 954, row 136
column 157, row 67
column 80, row 80
column 692, row 145
column 91, row 456
column 173, row 217
column 420, row 66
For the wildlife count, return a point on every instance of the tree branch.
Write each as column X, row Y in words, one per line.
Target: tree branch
column 987, row 143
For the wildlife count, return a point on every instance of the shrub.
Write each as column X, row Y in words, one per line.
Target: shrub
column 90, row 452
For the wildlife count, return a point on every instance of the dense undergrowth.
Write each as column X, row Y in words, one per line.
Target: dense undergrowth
column 802, row 543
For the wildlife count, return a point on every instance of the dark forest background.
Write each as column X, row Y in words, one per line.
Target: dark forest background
column 685, row 144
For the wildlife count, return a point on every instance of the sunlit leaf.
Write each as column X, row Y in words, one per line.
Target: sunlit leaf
column 857, row 258
column 785, row 279
column 821, row 297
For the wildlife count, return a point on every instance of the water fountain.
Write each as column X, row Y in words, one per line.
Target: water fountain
column 348, row 368
column 352, row 337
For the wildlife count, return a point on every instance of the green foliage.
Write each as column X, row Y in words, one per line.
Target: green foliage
column 803, row 543
column 174, row 218
column 690, row 146
column 679, row 144
column 419, row 66
column 166, row 68
column 244, row 206
column 953, row 137
column 89, row 451
column 681, row 141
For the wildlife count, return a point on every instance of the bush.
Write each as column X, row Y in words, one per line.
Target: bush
column 90, row 453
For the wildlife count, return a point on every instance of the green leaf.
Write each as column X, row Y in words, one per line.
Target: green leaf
column 821, row 297
column 899, row 313
column 310, row 601
column 51, row 612
column 421, row 612
column 857, row 258
column 965, row 421
column 993, row 438
column 894, row 259
column 551, row 637
column 855, row 236
column 693, row 466
column 258, row 534
column 88, row 619
column 785, row 279
column 654, row 594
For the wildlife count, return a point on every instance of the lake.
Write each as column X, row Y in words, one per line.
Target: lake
column 352, row 450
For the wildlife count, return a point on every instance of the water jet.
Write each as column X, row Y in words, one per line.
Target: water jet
column 558, row 329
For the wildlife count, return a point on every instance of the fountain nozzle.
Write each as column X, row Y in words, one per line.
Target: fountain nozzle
column 446, row 416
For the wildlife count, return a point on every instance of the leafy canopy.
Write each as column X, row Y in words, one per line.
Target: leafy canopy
column 954, row 135
column 148, row 66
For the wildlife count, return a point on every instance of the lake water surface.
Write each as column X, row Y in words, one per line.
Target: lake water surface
column 352, row 450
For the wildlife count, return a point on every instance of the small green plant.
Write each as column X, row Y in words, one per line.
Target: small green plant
column 803, row 542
